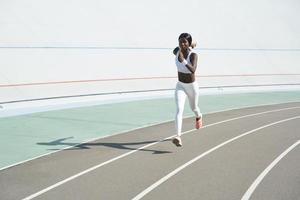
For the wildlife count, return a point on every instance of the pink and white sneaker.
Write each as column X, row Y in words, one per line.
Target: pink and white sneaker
column 198, row 123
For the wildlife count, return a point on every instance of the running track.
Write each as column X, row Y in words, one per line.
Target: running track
column 250, row 153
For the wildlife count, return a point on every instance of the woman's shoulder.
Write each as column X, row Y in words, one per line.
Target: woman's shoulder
column 193, row 54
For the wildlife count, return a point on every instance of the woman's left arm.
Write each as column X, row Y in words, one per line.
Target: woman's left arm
column 193, row 66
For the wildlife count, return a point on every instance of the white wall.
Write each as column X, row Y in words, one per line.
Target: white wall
column 43, row 42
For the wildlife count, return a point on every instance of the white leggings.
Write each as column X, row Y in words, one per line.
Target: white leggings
column 191, row 91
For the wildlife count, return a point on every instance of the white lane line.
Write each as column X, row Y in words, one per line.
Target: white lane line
column 143, row 147
column 174, row 172
column 257, row 181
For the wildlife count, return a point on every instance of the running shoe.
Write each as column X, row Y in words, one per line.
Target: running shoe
column 198, row 122
column 177, row 141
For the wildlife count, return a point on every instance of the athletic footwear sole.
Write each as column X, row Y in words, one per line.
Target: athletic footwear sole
column 176, row 142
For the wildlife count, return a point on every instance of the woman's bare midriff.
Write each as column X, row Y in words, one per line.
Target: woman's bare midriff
column 186, row 78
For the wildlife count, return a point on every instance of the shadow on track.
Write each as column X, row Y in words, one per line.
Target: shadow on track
column 83, row 146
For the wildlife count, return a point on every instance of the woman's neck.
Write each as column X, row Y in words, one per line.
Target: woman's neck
column 185, row 52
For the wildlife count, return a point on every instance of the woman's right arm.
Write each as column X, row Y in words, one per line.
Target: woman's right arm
column 175, row 50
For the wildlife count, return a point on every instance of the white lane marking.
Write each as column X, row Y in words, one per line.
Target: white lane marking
column 143, row 147
column 257, row 181
column 235, row 118
column 174, row 172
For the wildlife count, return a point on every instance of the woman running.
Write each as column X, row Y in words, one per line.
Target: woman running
column 187, row 86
